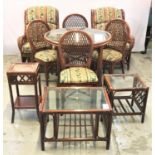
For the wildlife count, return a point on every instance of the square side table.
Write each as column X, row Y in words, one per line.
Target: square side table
column 127, row 93
column 24, row 74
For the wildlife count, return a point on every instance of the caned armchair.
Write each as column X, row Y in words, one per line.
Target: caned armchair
column 42, row 52
column 75, row 21
column 115, row 51
column 75, row 55
column 99, row 19
column 48, row 14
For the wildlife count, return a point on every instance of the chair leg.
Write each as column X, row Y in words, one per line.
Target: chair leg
column 23, row 59
column 128, row 61
column 103, row 67
column 57, row 67
column 111, row 68
column 122, row 66
column 28, row 59
column 46, row 74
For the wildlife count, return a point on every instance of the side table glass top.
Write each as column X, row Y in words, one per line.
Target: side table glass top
column 124, row 81
column 75, row 99
column 23, row 68
column 98, row 36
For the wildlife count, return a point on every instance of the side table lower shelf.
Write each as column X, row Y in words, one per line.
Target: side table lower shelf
column 26, row 102
column 126, row 106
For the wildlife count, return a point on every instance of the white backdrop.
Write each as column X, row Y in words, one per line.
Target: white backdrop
column 136, row 14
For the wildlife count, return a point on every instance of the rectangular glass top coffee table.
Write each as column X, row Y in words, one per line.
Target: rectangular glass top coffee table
column 128, row 94
column 75, row 112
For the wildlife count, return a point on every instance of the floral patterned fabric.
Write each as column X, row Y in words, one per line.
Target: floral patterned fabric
column 26, row 48
column 101, row 16
column 77, row 75
column 46, row 13
column 41, row 45
column 95, row 54
column 100, row 26
column 128, row 46
column 46, row 55
column 111, row 55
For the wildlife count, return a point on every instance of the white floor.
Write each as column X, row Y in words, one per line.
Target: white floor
column 129, row 136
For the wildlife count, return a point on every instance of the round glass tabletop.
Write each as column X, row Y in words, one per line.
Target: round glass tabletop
column 99, row 37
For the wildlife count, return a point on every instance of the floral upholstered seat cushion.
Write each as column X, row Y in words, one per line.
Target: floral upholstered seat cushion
column 46, row 13
column 77, row 75
column 111, row 55
column 47, row 55
column 26, row 48
column 108, row 54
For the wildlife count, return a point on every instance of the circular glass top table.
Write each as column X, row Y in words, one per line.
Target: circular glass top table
column 100, row 39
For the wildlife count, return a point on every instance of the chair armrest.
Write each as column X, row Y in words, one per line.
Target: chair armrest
column 131, row 42
column 20, row 41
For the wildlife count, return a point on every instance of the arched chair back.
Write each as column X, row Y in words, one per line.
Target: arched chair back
column 35, row 34
column 120, row 33
column 75, row 49
column 75, row 21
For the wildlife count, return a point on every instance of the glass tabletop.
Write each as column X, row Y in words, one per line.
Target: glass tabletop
column 28, row 68
column 126, row 81
column 75, row 99
column 98, row 36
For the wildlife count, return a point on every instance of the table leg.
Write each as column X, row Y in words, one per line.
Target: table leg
column 46, row 74
column 55, row 125
column 96, row 126
column 17, row 89
column 12, row 104
column 99, row 66
column 42, row 131
column 144, row 105
column 109, row 124
column 133, row 98
column 36, row 98
column 39, row 82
